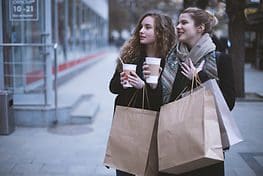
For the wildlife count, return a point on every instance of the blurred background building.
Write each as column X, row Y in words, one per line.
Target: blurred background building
column 38, row 37
column 124, row 14
column 77, row 26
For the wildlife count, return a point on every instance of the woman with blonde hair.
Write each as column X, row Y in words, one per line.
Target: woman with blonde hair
column 193, row 55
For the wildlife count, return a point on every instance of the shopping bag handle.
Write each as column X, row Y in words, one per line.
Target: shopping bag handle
column 195, row 79
column 133, row 98
column 144, row 93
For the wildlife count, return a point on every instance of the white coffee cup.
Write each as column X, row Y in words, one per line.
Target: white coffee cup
column 154, row 66
column 127, row 68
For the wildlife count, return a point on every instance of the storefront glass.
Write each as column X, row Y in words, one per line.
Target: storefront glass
column 31, row 27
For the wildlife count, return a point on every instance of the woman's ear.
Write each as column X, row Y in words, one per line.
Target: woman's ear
column 201, row 28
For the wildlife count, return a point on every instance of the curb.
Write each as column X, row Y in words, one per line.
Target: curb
column 251, row 97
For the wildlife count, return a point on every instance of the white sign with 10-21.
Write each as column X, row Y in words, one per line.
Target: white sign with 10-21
column 23, row 10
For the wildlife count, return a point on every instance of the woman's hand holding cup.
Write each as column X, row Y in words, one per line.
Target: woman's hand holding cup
column 146, row 70
column 152, row 71
column 123, row 79
column 124, row 76
column 135, row 80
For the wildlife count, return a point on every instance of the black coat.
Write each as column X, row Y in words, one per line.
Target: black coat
column 180, row 83
column 183, row 84
column 124, row 95
column 225, row 83
column 226, row 78
column 213, row 170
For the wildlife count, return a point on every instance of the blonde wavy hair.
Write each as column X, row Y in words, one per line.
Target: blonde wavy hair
column 164, row 34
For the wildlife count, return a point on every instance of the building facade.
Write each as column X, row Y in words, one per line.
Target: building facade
column 28, row 34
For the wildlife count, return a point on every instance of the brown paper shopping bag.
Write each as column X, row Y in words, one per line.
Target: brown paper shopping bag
column 230, row 133
column 131, row 140
column 188, row 133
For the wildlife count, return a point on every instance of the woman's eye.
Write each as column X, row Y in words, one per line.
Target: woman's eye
column 148, row 27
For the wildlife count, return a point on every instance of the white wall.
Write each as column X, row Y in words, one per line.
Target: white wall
column 99, row 6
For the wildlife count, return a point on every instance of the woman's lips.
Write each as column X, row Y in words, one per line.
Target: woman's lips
column 142, row 37
column 179, row 33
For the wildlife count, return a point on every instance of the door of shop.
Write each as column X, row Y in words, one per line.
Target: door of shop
column 26, row 51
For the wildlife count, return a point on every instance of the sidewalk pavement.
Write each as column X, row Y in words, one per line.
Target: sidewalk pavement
column 78, row 150
column 253, row 81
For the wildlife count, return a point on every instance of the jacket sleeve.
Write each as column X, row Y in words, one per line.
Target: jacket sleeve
column 226, row 79
column 115, row 85
column 209, row 70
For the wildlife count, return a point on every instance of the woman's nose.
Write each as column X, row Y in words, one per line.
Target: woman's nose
column 141, row 30
column 178, row 26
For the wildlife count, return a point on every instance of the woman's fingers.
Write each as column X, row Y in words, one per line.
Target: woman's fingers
column 185, row 68
column 135, row 80
column 200, row 67
column 146, row 74
column 188, row 70
column 132, row 76
column 185, row 74
column 146, row 71
column 122, row 76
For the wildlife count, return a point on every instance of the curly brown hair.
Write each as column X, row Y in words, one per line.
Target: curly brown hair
column 165, row 39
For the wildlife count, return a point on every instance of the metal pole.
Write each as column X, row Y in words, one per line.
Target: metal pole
column 2, row 86
column 55, row 83
column 48, row 39
column 56, row 20
column 66, row 29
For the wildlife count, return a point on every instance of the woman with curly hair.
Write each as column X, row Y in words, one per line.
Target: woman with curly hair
column 154, row 36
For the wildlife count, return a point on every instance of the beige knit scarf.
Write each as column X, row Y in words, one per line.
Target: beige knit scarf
column 204, row 46
column 179, row 54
